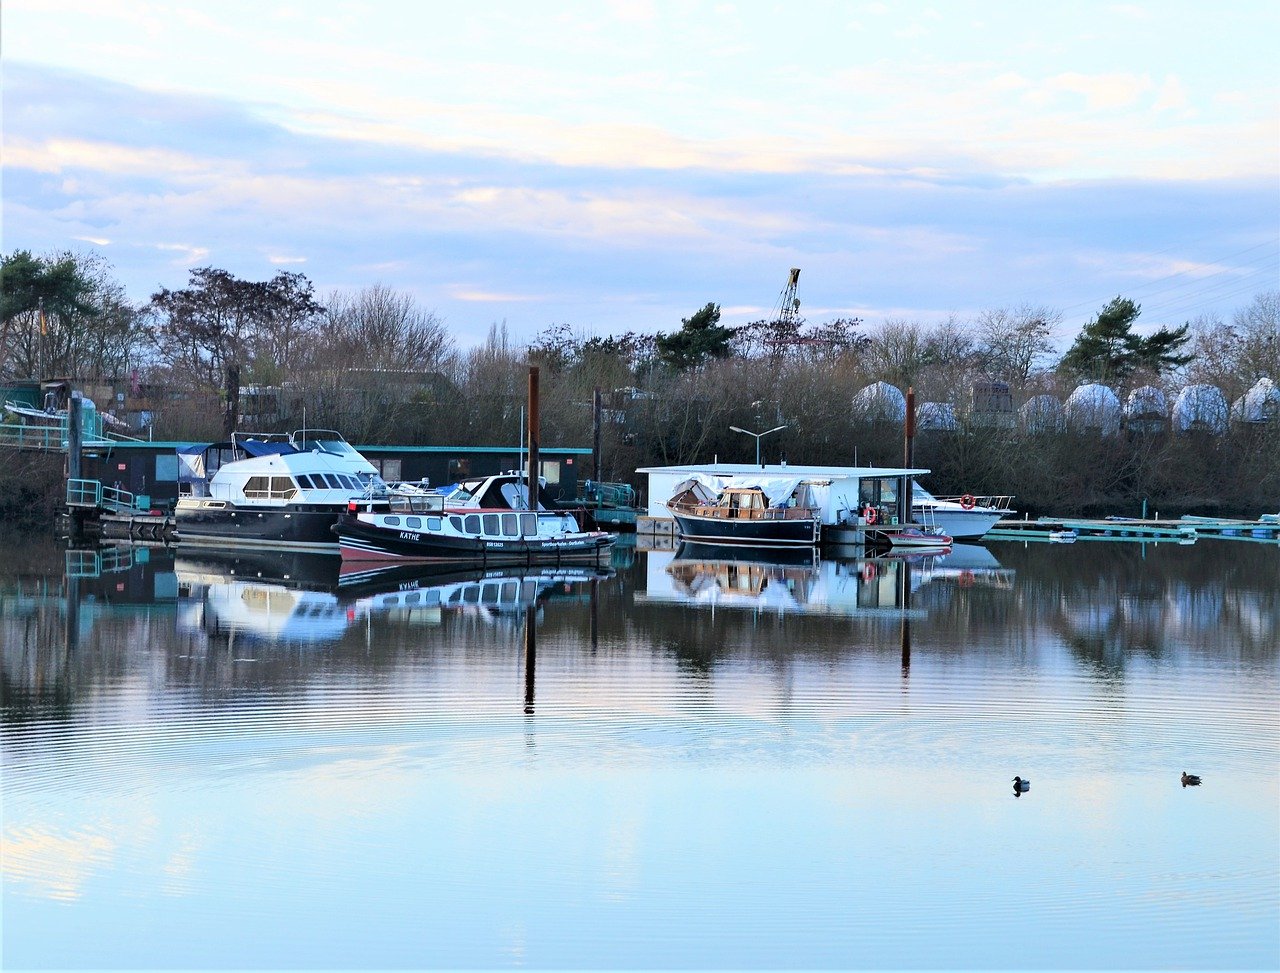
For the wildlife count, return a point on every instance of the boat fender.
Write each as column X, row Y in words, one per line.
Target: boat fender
column 869, row 513
column 968, row 502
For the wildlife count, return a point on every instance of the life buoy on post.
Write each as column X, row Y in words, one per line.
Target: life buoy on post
column 869, row 514
column 968, row 502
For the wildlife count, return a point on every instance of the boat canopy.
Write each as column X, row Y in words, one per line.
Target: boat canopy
column 706, row 487
column 266, row 447
column 191, row 463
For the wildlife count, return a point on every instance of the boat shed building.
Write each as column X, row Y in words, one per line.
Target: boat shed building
column 839, row 491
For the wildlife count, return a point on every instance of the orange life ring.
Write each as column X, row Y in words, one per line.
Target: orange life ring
column 870, row 514
column 968, row 502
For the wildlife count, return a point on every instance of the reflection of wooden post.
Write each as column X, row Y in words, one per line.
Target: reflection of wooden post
column 73, row 614
column 904, row 579
column 530, row 655
column 595, row 617
column 534, row 436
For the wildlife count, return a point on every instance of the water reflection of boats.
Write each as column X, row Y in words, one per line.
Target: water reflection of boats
column 719, row 575
column 303, row 598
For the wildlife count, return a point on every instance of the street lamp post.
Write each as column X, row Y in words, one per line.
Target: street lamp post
column 758, row 435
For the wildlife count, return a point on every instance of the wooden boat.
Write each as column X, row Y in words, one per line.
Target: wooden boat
column 773, row 512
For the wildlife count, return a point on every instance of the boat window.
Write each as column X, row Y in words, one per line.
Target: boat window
column 510, row 589
column 304, row 481
column 510, row 525
column 529, row 525
column 456, row 523
column 471, row 595
column 491, row 592
column 412, row 598
column 258, row 487
column 391, row 521
column 433, row 523
column 414, row 522
column 283, row 486
column 472, row 524
column 491, row 524
column 349, row 482
column 330, row 481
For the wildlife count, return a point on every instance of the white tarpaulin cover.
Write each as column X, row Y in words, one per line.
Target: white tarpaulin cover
column 777, row 489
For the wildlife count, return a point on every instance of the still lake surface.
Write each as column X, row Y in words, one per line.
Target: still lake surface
column 682, row 761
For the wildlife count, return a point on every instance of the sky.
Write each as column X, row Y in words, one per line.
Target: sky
column 615, row 166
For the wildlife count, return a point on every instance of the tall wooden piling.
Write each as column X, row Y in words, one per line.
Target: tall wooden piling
column 905, row 499
column 75, row 455
column 535, row 435
column 596, row 410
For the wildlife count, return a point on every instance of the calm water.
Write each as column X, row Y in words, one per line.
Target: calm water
column 680, row 762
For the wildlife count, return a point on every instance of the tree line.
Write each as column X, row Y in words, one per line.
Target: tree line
column 381, row 368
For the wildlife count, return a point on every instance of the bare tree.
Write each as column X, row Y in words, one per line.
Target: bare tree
column 1012, row 341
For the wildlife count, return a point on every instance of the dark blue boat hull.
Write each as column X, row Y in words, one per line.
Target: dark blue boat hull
column 798, row 532
column 363, row 541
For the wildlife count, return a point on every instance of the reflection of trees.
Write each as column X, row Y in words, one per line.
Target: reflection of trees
column 1102, row 604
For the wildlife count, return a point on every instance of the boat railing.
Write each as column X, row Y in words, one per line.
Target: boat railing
column 742, row 513
column 970, row 500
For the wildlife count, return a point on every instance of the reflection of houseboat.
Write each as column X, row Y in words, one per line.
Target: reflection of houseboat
column 780, row 580
column 756, row 511
column 232, row 596
column 487, row 521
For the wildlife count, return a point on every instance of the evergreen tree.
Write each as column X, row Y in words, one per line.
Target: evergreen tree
column 1107, row 349
column 700, row 339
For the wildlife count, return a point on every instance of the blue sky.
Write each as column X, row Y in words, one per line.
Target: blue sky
column 615, row 166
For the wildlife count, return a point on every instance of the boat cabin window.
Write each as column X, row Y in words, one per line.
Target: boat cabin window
column 391, row 521
column 878, row 491
column 472, row 523
column 270, row 488
column 510, row 525
column 491, row 523
column 529, row 525
column 433, row 523
column 456, row 523
column 414, row 522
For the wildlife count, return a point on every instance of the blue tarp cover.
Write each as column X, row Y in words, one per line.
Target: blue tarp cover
column 257, row 447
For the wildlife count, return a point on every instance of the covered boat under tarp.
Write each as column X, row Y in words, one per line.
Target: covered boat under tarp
column 757, row 510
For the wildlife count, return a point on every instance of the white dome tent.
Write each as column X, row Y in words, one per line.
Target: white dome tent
column 1200, row 407
column 880, row 400
column 936, row 417
column 1041, row 414
column 1093, row 408
column 1146, row 410
column 1260, row 404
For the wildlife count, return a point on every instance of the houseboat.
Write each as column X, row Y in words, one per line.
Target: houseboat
column 845, row 500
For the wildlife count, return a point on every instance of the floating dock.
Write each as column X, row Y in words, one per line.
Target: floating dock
column 1185, row 530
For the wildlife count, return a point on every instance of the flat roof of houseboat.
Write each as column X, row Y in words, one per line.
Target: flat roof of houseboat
column 791, row 469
